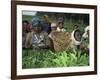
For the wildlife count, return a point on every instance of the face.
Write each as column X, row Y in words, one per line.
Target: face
column 78, row 35
column 46, row 18
column 24, row 23
column 37, row 29
column 54, row 28
column 60, row 25
column 24, row 26
column 86, row 34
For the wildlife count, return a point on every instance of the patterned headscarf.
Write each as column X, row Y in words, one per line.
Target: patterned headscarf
column 36, row 22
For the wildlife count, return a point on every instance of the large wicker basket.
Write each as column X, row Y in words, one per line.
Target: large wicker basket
column 61, row 40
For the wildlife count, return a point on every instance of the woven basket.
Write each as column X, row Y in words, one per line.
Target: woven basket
column 61, row 40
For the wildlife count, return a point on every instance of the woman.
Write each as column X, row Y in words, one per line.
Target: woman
column 38, row 38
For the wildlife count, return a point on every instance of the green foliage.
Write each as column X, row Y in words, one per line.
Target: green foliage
column 25, row 17
column 47, row 58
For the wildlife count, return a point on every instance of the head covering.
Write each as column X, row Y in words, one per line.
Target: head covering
column 46, row 16
column 61, row 20
column 25, row 21
column 53, row 25
column 74, row 41
column 36, row 22
column 85, row 34
column 86, row 29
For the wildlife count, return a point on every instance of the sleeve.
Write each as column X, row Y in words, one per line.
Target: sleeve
column 47, row 40
column 28, row 42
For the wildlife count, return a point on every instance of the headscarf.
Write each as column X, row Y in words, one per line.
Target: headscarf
column 36, row 22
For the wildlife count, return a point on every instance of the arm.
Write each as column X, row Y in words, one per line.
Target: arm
column 28, row 42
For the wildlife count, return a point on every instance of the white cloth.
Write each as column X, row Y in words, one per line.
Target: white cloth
column 63, row 30
column 74, row 43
